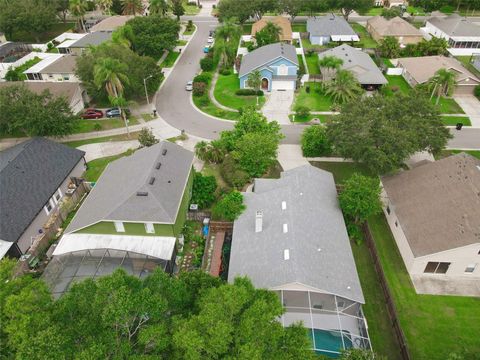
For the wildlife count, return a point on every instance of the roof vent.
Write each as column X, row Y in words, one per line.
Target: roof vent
column 159, row 164
column 142, row 193
column 284, row 205
column 286, row 254
column 152, row 180
column 285, row 228
column 164, row 152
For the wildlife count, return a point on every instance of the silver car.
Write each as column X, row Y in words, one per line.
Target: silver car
column 189, row 86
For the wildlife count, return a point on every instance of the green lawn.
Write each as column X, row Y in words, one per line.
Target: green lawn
column 465, row 60
column 190, row 9
column 247, row 29
column 85, row 126
column 191, row 31
column 366, row 40
column 205, row 105
column 453, row 120
column 57, row 29
column 448, row 106
column 312, row 64
column 315, row 100
column 387, row 62
column 306, row 44
column 170, row 59
column 374, row 11
column 415, row 10
column 123, row 137
column 96, row 167
column 224, row 93
column 299, row 27
column 182, row 42
column 435, row 326
column 303, row 119
column 342, row 171
column 445, row 153
column 396, row 83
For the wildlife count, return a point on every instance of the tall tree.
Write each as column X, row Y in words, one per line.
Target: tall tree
column 105, row 5
column 132, row 7
column 348, row 6
column 112, row 74
column 443, row 83
column 229, row 207
column 260, row 7
column 254, row 80
column 389, row 47
column 343, row 87
column 268, row 35
column 256, row 153
column 241, row 11
column 177, row 8
column 62, row 9
column 290, row 7
column 158, row 7
column 78, row 8
column 227, row 37
column 329, row 65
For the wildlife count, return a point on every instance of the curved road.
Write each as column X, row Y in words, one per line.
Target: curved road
column 174, row 104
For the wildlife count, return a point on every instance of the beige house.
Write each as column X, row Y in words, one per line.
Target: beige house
column 111, row 23
column 282, row 22
column 404, row 32
column 434, row 213
column 419, row 70
column 61, row 69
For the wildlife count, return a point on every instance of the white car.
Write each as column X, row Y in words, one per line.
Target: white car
column 189, row 86
column 210, row 40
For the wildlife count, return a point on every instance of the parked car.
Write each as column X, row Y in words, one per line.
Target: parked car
column 113, row 112
column 206, row 49
column 92, row 114
column 189, row 86
column 210, row 40
column 211, row 33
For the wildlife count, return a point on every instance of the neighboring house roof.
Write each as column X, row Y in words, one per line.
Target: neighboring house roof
column 265, row 55
column 92, row 39
column 280, row 21
column 358, row 62
column 66, row 64
column 318, row 246
column 44, row 62
column 111, row 23
column 30, row 173
column 438, row 204
column 424, row 68
column 455, row 25
column 66, row 89
column 393, row 27
column 329, row 25
column 117, row 194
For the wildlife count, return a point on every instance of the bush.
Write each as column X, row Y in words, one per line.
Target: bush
column 206, row 64
column 248, row 92
column 192, row 3
column 229, row 207
column 476, row 92
column 233, row 175
column 250, row 47
column 203, row 190
column 189, row 25
column 203, row 78
column 97, row 126
column 302, row 111
column 199, row 88
column 225, row 71
column 146, row 138
column 314, row 141
column 204, row 100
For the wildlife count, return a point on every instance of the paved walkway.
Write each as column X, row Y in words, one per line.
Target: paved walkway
column 471, row 106
column 278, row 106
column 100, row 150
column 290, row 156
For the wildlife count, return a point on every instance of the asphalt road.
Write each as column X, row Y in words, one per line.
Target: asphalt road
column 174, row 105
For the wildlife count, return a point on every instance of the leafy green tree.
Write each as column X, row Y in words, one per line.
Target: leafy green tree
column 256, row 152
column 348, row 6
column 254, row 80
column 62, row 7
column 111, row 74
column 443, row 83
column 389, row 47
column 31, row 114
column 360, row 354
column 177, row 9
column 234, row 9
column 260, row 7
column 105, row 5
column 390, row 13
column 227, row 37
column 302, row 111
column 229, row 207
column 428, row 5
column 203, row 190
column 212, row 152
column 268, row 35
column 124, row 36
column 314, row 141
column 146, row 137
column 153, row 34
column 158, row 7
column 10, row 19
column 382, row 132
column 343, row 87
column 78, row 8
column 329, row 65
column 290, row 7
column 132, row 7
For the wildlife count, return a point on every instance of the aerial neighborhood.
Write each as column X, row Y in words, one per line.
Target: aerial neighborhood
column 233, row 179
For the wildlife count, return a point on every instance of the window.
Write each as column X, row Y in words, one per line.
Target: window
column 282, row 70
column 57, row 196
column 470, row 268
column 149, row 228
column 434, row 267
column 66, row 77
column 49, row 207
column 119, row 226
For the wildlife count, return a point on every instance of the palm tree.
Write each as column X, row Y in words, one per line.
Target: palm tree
column 132, row 7
column 226, row 41
column 158, row 7
column 344, row 87
column 329, row 64
column 254, row 80
column 123, row 36
column 443, row 83
column 268, row 35
column 78, row 8
column 105, row 5
column 211, row 152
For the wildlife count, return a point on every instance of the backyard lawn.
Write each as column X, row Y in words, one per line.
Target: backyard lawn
column 57, row 29
column 170, row 59
column 342, row 170
column 96, row 167
column 299, row 27
column 225, row 93
column 312, row 64
column 366, row 40
column 435, row 326
column 315, row 100
column 396, row 83
column 247, row 29
column 454, row 120
column 374, row 11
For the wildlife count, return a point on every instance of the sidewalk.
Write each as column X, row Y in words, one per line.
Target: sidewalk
column 471, row 106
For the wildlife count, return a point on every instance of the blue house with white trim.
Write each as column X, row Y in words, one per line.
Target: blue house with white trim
column 277, row 63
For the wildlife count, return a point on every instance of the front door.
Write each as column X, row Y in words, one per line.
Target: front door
column 264, row 84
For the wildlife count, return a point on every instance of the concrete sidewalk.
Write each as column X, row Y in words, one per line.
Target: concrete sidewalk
column 471, row 106
column 290, row 156
column 100, row 150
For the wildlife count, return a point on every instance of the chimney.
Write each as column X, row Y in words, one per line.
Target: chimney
column 258, row 221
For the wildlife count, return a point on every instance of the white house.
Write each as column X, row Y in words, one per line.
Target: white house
column 54, row 69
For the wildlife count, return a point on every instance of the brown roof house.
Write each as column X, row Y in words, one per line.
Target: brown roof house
column 405, row 33
column 419, row 70
column 111, row 23
column 280, row 21
column 434, row 213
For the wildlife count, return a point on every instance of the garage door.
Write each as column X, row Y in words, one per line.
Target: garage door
column 464, row 90
column 283, row 85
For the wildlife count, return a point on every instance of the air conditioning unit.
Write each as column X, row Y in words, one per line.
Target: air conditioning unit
column 69, row 192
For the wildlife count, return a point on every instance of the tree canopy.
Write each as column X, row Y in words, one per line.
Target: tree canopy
column 229, row 207
column 268, row 35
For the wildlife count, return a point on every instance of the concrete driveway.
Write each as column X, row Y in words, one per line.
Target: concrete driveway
column 278, row 106
column 471, row 106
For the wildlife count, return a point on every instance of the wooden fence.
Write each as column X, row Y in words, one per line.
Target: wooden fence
column 392, row 311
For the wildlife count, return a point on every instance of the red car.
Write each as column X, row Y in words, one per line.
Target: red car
column 92, row 114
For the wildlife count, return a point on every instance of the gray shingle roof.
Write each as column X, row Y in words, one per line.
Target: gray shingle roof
column 266, row 54
column 30, row 173
column 455, row 25
column 92, row 39
column 114, row 197
column 329, row 25
column 358, row 62
column 314, row 221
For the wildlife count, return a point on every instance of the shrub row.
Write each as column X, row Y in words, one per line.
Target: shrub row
column 248, row 92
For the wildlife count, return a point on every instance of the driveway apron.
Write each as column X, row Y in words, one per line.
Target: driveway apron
column 278, row 106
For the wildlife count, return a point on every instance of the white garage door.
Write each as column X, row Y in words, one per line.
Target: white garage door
column 283, row 85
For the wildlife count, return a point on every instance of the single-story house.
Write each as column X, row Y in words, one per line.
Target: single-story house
column 76, row 47
column 434, row 213
column 61, row 68
column 282, row 22
column 359, row 63
column 391, row 3
column 419, row 70
column 277, row 63
column 111, row 23
column 323, row 29
column 403, row 31
column 292, row 240
column 74, row 93
column 131, row 218
column 463, row 36
column 34, row 177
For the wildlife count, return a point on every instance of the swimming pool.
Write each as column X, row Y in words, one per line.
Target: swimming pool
column 330, row 341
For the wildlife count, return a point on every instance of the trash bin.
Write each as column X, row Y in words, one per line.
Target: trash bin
column 459, row 126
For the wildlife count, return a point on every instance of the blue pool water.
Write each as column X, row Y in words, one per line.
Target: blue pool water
column 329, row 340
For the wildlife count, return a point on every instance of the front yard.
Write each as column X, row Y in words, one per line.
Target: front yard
column 315, row 100
column 96, row 167
column 85, row 126
column 225, row 89
column 454, row 120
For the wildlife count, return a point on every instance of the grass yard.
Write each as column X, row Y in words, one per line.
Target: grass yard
column 190, row 9
column 247, row 29
column 445, row 153
column 182, row 42
column 205, row 105
column 224, row 92
column 170, row 59
column 96, row 167
column 396, row 83
column 85, row 126
column 306, row 44
column 366, row 40
column 299, row 27
column 214, row 170
column 453, row 120
column 342, row 171
column 412, row 10
column 465, row 60
column 435, row 326
column 374, row 11
column 315, row 100
column 312, row 64
column 57, row 29
column 123, row 137
column 191, row 31
column 448, row 106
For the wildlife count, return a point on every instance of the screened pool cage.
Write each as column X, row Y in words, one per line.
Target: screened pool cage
column 65, row 270
column 334, row 323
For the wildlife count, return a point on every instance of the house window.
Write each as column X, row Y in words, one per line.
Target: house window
column 66, row 77
column 57, row 196
column 119, row 226
column 282, row 70
column 434, row 267
column 49, row 207
column 149, row 228
column 470, row 268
